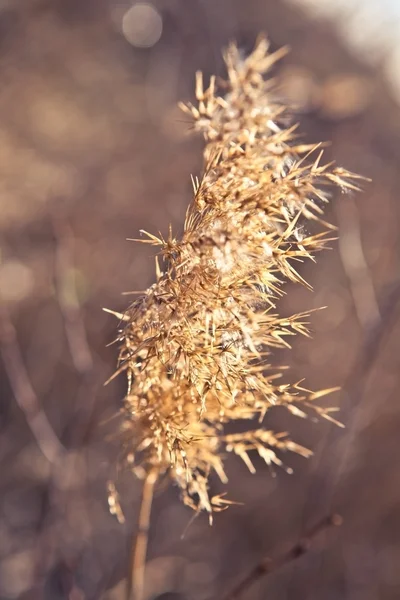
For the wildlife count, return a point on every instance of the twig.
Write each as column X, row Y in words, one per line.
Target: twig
column 268, row 565
column 84, row 398
column 355, row 264
column 75, row 329
column 68, row 298
column 135, row 582
column 375, row 338
column 376, row 331
column 25, row 396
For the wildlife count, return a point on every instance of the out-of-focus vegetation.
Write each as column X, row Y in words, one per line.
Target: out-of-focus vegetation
column 93, row 148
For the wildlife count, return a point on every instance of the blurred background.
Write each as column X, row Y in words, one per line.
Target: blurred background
column 92, row 149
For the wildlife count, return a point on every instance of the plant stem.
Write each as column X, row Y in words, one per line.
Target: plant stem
column 135, row 583
column 268, row 565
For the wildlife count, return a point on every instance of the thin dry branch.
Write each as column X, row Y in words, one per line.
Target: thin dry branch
column 65, row 279
column 68, row 298
column 24, row 394
column 355, row 264
column 268, row 565
column 375, row 338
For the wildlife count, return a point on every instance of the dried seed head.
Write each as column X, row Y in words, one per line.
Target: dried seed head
column 196, row 346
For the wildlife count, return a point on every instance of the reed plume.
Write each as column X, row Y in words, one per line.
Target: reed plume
column 196, row 346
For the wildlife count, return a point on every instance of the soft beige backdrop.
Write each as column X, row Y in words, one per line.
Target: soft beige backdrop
column 92, row 149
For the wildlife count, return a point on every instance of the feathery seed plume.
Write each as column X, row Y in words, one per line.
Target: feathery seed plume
column 196, row 346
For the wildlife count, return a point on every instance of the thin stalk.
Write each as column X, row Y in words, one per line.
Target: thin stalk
column 268, row 565
column 135, row 586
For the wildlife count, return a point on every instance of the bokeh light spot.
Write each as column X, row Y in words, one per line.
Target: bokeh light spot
column 142, row 25
column 16, row 281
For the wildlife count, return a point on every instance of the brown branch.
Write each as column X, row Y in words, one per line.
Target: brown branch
column 355, row 264
column 83, row 399
column 25, row 396
column 376, row 335
column 375, row 339
column 68, row 298
column 75, row 329
column 268, row 565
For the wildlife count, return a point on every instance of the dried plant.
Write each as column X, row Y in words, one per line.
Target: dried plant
column 197, row 345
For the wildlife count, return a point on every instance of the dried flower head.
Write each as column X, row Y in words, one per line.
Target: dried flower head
column 196, row 346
